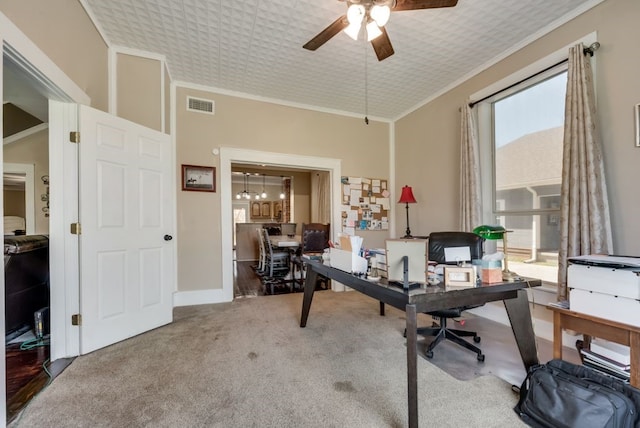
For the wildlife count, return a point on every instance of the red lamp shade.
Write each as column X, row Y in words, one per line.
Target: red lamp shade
column 407, row 196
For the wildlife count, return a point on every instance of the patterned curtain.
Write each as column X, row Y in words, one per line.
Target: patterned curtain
column 320, row 197
column 470, row 191
column 585, row 226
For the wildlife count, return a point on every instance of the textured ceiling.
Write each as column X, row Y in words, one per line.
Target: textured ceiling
column 255, row 47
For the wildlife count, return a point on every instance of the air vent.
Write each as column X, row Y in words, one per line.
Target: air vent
column 200, row 105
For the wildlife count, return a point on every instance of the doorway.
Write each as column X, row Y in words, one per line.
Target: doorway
column 26, row 230
column 229, row 156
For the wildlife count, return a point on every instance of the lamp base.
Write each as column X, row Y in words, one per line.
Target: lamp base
column 509, row 276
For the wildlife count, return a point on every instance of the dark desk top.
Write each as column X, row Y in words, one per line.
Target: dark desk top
column 427, row 297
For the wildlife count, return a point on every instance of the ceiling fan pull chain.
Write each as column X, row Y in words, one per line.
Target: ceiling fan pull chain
column 366, row 87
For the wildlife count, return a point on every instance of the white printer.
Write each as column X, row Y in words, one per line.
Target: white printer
column 606, row 287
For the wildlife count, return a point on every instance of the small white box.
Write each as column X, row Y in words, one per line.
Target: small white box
column 621, row 282
column 615, row 308
column 347, row 261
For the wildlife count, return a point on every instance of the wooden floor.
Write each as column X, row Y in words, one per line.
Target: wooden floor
column 245, row 281
column 28, row 372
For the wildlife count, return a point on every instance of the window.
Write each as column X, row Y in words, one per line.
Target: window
column 527, row 124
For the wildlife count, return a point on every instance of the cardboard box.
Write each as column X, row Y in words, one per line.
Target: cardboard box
column 492, row 276
column 347, row 261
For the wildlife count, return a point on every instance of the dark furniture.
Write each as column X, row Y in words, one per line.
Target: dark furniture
column 438, row 241
column 433, row 298
column 26, row 279
column 315, row 237
column 314, row 240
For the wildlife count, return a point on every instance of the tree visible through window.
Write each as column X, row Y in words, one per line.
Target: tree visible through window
column 527, row 147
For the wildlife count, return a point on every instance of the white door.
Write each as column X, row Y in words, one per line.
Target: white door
column 126, row 216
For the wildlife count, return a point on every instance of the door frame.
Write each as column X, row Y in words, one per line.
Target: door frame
column 229, row 155
column 54, row 84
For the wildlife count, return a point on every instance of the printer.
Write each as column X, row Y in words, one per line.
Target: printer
column 606, row 287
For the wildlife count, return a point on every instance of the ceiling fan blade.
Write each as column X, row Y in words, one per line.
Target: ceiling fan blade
column 382, row 45
column 325, row 35
column 422, row 4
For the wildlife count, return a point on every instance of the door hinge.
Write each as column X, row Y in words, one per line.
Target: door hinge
column 76, row 229
column 74, row 137
column 76, row 319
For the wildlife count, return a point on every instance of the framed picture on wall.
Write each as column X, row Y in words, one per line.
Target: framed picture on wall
column 199, row 178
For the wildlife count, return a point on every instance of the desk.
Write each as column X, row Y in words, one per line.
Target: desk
column 430, row 299
column 588, row 325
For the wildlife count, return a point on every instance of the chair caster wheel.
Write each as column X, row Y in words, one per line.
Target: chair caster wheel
column 476, row 339
column 429, row 354
column 481, row 357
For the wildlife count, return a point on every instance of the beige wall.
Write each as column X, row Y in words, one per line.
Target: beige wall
column 34, row 150
column 139, row 91
column 14, row 203
column 262, row 126
column 63, row 31
column 427, row 141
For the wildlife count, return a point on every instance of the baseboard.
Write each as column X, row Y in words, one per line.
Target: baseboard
column 199, row 297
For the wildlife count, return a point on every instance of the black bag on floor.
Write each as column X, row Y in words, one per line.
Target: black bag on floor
column 562, row 394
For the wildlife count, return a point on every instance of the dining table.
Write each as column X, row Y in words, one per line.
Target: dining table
column 285, row 241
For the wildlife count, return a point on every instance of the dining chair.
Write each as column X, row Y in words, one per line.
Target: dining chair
column 314, row 240
column 262, row 257
column 276, row 261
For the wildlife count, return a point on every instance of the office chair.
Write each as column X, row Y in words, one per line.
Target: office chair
column 438, row 241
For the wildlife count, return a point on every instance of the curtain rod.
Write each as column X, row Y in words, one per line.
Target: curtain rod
column 587, row 51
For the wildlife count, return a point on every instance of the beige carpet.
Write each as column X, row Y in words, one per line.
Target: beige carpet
column 249, row 364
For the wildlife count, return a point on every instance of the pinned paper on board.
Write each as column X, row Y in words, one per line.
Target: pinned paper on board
column 365, row 203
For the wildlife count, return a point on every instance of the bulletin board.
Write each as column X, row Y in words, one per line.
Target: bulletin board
column 365, row 204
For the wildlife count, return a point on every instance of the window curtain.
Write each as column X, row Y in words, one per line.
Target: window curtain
column 320, row 197
column 585, row 226
column 470, row 191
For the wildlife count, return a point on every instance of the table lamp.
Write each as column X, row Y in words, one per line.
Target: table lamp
column 407, row 198
column 495, row 233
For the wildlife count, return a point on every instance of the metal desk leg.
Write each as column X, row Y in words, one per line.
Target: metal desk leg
column 412, row 365
column 381, row 309
column 309, row 288
column 520, row 319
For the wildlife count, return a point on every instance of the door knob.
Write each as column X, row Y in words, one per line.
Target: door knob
column 168, row 237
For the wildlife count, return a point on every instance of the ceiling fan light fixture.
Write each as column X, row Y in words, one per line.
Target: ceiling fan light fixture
column 355, row 14
column 352, row 31
column 380, row 14
column 373, row 31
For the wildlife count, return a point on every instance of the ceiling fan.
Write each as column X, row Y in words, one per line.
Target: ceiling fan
column 373, row 14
